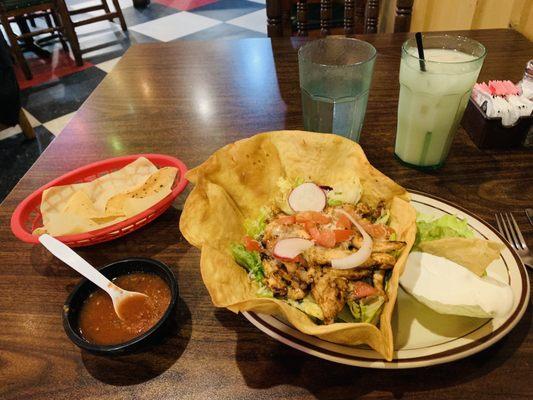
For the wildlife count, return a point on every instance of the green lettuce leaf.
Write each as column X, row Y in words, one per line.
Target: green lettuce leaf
column 250, row 260
column 256, row 227
column 443, row 227
column 334, row 202
column 345, row 315
column 308, row 305
column 384, row 218
column 367, row 312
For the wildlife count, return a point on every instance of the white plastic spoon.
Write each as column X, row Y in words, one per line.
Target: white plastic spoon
column 119, row 296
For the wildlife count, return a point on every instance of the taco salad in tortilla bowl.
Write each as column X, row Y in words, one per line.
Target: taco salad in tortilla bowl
column 299, row 225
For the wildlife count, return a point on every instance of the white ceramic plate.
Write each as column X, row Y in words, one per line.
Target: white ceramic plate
column 422, row 336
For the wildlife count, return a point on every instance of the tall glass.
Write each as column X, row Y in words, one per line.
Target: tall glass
column 432, row 102
column 335, row 75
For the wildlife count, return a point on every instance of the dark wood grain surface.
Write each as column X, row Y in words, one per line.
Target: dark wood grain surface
column 187, row 99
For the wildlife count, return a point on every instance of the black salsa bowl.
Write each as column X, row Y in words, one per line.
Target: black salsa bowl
column 84, row 288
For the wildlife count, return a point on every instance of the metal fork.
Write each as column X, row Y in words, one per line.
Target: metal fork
column 509, row 228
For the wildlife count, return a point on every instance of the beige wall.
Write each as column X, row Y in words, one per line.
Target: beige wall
column 439, row 15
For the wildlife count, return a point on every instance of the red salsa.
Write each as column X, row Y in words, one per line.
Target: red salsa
column 99, row 324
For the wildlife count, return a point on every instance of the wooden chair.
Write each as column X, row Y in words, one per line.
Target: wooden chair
column 24, row 124
column 358, row 16
column 17, row 11
column 107, row 15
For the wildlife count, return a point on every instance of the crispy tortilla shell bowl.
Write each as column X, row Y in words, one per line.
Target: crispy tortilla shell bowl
column 240, row 178
column 78, row 295
column 27, row 216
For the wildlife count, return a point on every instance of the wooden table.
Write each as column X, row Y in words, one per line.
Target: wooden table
column 187, row 99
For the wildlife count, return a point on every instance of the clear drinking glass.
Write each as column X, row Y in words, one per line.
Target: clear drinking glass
column 432, row 102
column 335, row 75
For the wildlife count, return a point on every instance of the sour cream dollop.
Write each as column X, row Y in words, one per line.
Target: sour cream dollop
column 450, row 288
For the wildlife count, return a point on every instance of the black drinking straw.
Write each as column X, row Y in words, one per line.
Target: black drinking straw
column 418, row 37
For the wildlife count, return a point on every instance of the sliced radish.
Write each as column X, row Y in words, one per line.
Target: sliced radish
column 360, row 256
column 307, row 197
column 290, row 248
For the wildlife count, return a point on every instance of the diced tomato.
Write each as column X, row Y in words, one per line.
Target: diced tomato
column 311, row 229
column 344, row 222
column 377, row 231
column 326, row 239
column 314, row 216
column 342, row 235
column 314, row 232
column 363, row 289
column 251, row 244
column 286, row 220
column 308, row 225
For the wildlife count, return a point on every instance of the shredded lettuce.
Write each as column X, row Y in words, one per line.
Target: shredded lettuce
column 384, row 217
column 285, row 186
column 334, row 202
column 367, row 312
column 345, row 315
column 443, row 227
column 345, row 192
column 256, row 227
column 308, row 305
column 263, row 291
column 250, row 260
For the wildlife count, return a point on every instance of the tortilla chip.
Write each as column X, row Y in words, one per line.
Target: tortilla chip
column 237, row 180
column 80, row 204
column 474, row 254
column 157, row 187
column 108, row 199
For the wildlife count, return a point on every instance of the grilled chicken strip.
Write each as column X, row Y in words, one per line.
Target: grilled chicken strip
column 378, row 279
column 379, row 260
column 287, row 279
column 380, row 246
column 329, row 293
column 351, row 274
column 322, row 256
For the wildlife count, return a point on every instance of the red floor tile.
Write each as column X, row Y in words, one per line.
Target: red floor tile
column 60, row 64
column 185, row 5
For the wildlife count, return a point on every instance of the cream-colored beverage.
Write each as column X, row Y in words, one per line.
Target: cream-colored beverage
column 432, row 101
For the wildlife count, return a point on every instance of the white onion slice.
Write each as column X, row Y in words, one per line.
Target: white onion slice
column 307, row 197
column 360, row 256
column 291, row 248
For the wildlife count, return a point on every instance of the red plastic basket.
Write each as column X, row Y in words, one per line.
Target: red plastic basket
column 27, row 216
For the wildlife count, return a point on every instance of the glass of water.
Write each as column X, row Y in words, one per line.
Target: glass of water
column 335, row 76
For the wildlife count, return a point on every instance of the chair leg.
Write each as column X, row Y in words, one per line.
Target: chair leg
column 48, row 20
column 120, row 15
column 66, row 23
column 32, row 22
column 61, row 32
column 25, row 125
column 15, row 47
column 106, row 7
